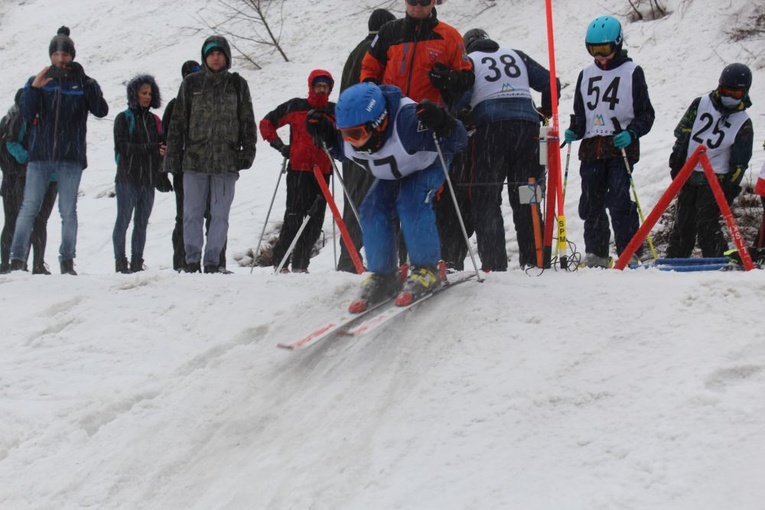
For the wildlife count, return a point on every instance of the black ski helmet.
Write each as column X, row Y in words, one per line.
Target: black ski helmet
column 474, row 35
column 736, row 77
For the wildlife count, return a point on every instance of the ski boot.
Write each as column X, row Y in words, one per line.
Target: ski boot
column 423, row 280
column 375, row 288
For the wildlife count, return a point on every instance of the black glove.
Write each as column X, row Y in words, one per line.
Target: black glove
column 162, row 183
column 440, row 76
column 321, row 128
column 435, row 118
column 281, row 147
column 465, row 115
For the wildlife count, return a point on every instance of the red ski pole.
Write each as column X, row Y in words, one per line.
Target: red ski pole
column 339, row 220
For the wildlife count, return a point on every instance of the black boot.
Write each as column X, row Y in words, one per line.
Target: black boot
column 121, row 266
column 136, row 264
column 18, row 265
column 193, row 267
column 67, row 267
column 39, row 268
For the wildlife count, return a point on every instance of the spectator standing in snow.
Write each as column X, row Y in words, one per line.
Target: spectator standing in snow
column 357, row 181
column 211, row 137
column 426, row 59
column 139, row 148
column 179, row 253
column 505, row 144
column 612, row 87
column 302, row 189
column 719, row 121
column 55, row 105
column 383, row 131
column 13, row 160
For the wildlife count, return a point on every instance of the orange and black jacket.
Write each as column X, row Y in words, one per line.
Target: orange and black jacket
column 407, row 49
column 304, row 154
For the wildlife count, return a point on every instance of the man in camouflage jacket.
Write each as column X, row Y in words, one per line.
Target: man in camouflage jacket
column 212, row 136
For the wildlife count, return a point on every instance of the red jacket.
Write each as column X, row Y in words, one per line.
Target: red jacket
column 406, row 50
column 303, row 153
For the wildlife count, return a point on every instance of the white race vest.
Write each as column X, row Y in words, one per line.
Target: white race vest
column 717, row 131
column 500, row 74
column 392, row 161
column 607, row 94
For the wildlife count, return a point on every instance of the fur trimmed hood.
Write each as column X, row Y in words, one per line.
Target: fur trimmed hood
column 135, row 84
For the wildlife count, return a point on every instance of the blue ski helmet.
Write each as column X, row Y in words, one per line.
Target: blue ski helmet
column 604, row 30
column 359, row 104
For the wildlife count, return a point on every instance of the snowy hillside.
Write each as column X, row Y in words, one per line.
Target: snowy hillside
column 588, row 390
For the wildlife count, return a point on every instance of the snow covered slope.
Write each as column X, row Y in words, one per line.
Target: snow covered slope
column 588, row 390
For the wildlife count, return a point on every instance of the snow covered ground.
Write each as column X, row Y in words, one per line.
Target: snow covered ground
column 589, row 390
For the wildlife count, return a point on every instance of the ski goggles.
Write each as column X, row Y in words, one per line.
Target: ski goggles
column 601, row 50
column 422, row 3
column 355, row 134
column 734, row 93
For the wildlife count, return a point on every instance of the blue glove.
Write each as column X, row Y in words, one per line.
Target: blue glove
column 570, row 136
column 624, row 139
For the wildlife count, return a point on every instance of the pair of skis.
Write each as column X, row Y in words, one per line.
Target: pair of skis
column 371, row 319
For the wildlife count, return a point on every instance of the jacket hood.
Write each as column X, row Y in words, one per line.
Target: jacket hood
column 135, row 84
column 484, row 45
column 393, row 97
column 216, row 42
column 314, row 100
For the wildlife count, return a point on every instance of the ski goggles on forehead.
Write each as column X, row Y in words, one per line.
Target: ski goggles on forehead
column 422, row 3
column 601, row 50
column 734, row 93
column 355, row 134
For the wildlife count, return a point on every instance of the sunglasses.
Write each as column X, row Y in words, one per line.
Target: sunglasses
column 734, row 93
column 423, row 3
column 601, row 50
column 355, row 134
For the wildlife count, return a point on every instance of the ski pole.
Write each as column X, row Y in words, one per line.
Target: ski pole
column 445, row 168
column 535, row 223
column 311, row 211
column 634, row 189
column 268, row 214
column 565, row 183
column 342, row 184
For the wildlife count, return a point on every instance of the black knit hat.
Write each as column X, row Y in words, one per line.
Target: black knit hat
column 61, row 42
column 378, row 18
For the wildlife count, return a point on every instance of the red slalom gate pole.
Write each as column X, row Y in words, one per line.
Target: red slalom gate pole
column 339, row 220
column 698, row 156
column 554, row 186
column 717, row 191
column 658, row 210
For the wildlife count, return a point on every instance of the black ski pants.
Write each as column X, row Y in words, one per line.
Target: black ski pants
column 302, row 192
column 697, row 217
column 507, row 149
column 453, row 247
column 357, row 182
column 12, row 191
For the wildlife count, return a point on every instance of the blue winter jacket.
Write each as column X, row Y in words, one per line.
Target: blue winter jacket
column 57, row 115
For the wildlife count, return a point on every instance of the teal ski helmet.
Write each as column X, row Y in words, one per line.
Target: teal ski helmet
column 603, row 34
column 360, row 104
